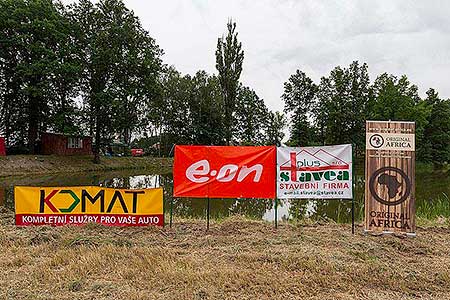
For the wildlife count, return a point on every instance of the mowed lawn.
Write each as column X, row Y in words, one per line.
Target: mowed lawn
column 236, row 259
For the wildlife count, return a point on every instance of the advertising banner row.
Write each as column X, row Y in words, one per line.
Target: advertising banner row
column 323, row 172
column 199, row 172
column 269, row 172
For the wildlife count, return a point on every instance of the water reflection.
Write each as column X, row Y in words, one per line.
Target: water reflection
column 430, row 186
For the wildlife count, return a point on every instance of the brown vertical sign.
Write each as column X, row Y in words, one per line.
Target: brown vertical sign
column 390, row 177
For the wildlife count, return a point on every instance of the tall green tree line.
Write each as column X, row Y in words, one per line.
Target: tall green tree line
column 38, row 68
column 91, row 68
column 54, row 55
column 194, row 113
column 121, row 66
column 334, row 110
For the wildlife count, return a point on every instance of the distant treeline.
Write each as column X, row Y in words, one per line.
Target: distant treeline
column 92, row 69
column 334, row 110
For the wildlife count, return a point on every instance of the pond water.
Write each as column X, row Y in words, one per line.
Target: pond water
column 432, row 189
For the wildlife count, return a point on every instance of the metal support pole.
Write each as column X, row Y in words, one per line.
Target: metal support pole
column 207, row 215
column 276, row 213
column 353, row 215
column 171, row 211
column 164, row 202
column 353, row 189
column 276, row 188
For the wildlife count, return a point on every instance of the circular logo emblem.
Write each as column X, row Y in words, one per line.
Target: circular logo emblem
column 376, row 141
column 390, row 186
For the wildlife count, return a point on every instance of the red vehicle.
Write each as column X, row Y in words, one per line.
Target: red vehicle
column 137, row 152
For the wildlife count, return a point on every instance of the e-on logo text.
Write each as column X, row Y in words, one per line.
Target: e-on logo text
column 201, row 172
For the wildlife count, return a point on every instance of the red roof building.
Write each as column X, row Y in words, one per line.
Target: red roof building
column 61, row 144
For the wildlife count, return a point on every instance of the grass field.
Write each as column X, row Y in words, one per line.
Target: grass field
column 17, row 165
column 236, row 259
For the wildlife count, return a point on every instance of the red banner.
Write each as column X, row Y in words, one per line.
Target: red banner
column 224, row 172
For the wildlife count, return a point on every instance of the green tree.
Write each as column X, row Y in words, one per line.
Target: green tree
column 35, row 61
column 13, row 123
column 394, row 99
column 176, row 120
column 435, row 147
column 359, row 95
column 121, row 66
column 138, row 80
column 250, row 117
column 66, row 115
column 206, row 107
column 299, row 96
column 276, row 123
column 193, row 109
column 229, row 59
column 398, row 99
column 341, row 110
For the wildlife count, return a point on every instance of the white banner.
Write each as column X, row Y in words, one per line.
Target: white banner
column 323, row 172
column 390, row 141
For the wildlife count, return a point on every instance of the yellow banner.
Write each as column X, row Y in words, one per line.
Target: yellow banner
column 85, row 204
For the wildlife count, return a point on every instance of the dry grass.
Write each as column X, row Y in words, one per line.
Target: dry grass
column 236, row 259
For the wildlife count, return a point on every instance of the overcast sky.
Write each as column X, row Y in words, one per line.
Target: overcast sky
column 279, row 37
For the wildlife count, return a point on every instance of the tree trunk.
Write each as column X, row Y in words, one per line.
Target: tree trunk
column 33, row 126
column 127, row 136
column 228, row 121
column 97, row 87
column 63, row 110
column 7, row 122
column 34, row 110
column 97, row 137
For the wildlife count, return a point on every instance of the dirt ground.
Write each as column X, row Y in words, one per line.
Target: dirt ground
column 235, row 259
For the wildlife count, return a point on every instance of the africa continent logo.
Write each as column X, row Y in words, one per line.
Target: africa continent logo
column 390, row 186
